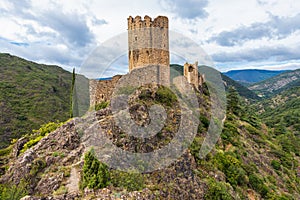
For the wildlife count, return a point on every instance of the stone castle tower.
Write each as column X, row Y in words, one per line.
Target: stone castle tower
column 148, row 44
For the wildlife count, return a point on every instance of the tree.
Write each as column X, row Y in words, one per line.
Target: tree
column 233, row 102
column 95, row 173
column 73, row 99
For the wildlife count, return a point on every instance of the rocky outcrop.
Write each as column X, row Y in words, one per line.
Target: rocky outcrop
column 46, row 166
column 52, row 168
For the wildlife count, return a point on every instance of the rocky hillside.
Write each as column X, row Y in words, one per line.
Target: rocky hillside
column 250, row 160
column 31, row 94
column 277, row 83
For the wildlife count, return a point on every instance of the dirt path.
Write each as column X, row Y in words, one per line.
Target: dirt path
column 73, row 185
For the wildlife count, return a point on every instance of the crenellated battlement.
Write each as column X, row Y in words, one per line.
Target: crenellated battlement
column 147, row 22
column 148, row 44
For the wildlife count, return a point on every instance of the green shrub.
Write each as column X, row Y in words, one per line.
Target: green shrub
column 290, row 143
column 195, row 148
column 232, row 168
column 204, row 121
column 279, row 129
column 131, row 181
column 40, row 133
column 95, row 173
column 229, row 133
column 252, row 119
column 233, row 101
column 61, row 190
column 217, row 191
column 275, row 164
column 56, row 154
column 165, row 96
column 145, row 95
column 101, row 105
column 37, row 166
column 252, row 130
column 48, row 128
column 6, row 151
column 284, row 197
column 13, row 192
column 286, row 159
column 258, row 185
column 31, row 143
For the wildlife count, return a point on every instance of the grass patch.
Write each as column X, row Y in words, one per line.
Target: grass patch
column 40, row 133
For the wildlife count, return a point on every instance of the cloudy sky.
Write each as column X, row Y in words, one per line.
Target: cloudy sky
column 262, row 34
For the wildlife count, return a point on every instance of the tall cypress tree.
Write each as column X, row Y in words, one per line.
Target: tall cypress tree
column 72, row 94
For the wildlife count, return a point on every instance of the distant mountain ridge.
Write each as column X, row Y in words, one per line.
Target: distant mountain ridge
column 250, row 76
column 276, row 84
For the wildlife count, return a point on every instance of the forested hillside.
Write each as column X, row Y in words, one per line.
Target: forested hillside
column 31, row 94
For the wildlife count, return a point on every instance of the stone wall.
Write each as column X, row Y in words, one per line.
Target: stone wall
column 192, row 75
column 190, row 71
column 101, row 90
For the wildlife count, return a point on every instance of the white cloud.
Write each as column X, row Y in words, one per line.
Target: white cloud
column 275, row 28
column 237, row 33
column 187, row 9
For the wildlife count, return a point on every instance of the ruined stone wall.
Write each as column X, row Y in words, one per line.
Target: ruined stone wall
column 101, row 90
column 201, row 79
column 190, row 71
column 148, row 42
column 192, row 75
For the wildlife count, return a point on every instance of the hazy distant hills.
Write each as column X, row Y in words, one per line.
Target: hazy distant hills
column 276, row 84
column 31, row 94
column 250, row 76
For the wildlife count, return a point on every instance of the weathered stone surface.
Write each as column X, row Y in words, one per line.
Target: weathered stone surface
column 192, row 75
column 101, row 90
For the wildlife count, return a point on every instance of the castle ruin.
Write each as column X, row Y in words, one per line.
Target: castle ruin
column 190, row 71
column 148, row 44
column 102, row 90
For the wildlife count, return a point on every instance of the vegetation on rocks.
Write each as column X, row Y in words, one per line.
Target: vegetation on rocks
column 37, row 135
column 101, row 105
column 95, row 173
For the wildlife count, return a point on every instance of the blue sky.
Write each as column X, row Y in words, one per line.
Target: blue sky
column 236, row 34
